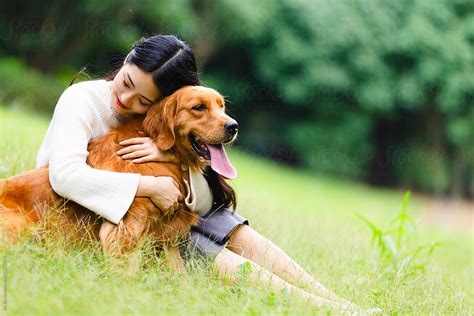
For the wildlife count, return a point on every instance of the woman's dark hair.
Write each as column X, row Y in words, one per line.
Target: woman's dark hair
column 223, row 194
column 170, row 61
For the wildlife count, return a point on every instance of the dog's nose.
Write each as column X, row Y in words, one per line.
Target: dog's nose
column 231, row 127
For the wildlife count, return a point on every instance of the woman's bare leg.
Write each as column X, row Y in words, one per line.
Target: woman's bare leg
column 229, row 266
column 248, row 243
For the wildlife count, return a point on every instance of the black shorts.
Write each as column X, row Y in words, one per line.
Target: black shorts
column 211, row 235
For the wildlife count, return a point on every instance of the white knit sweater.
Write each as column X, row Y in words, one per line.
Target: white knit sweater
column 82, row 113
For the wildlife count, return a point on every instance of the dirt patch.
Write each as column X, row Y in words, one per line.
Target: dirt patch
column 457, row 214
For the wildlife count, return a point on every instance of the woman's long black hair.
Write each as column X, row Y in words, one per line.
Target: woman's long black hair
column 223, row 194
column 170, row 61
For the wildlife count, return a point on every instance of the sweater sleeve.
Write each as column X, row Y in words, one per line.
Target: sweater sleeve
column 108, row 194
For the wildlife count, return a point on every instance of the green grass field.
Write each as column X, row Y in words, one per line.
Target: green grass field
column 310, row 216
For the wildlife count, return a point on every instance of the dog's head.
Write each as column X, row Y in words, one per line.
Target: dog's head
column 192, row 122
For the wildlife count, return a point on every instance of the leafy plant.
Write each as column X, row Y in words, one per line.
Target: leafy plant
column 393, row 242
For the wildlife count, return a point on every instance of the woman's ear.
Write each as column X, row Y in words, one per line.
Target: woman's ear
column 159, row 122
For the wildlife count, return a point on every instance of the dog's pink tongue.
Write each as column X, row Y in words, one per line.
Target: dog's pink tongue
column 220, row 162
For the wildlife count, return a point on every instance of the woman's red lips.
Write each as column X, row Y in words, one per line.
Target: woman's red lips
column 120, row 104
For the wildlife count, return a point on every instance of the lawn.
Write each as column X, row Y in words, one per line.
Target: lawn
column 312, row 217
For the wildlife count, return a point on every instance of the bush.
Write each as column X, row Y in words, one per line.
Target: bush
column 340, row 146
column 420, row 167
column 26, row 87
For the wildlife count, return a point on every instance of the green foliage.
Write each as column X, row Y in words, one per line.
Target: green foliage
column 392, row 243
column 419, row 166
column 28, row 87
column 378, row 59
column 245, row 269
column 344, row 151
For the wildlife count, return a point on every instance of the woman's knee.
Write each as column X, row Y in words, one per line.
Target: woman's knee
column 228, row 259
column 229, row 264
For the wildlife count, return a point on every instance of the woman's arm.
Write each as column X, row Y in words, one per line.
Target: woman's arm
column 109, row 194
column 163, row 191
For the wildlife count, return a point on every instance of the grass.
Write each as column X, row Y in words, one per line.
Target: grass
column 312, row 217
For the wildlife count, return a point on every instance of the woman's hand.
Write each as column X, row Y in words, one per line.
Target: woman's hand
column 163, row 191
column 143, row 149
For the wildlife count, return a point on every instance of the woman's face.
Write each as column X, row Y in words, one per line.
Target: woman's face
column 133, row 91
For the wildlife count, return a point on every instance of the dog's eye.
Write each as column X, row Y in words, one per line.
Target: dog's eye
column 199, row 107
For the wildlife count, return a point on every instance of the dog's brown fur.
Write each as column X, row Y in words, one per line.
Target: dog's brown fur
column 26, row 198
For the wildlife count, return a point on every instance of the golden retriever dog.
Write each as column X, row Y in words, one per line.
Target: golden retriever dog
column 191, row 123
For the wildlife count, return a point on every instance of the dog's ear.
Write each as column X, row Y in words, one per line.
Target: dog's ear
column 159, row 122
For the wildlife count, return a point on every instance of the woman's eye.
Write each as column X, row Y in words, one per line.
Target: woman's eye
column 199, row 107
column 145, row 104
column 125, row 84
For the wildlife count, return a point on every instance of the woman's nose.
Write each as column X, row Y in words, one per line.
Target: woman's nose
column 127, row 98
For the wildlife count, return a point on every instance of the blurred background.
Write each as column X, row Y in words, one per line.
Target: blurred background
column 380, row 92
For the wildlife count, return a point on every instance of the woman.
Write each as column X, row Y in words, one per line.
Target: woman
column 155, row 68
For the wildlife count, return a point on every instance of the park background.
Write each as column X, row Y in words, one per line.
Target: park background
column 343, row 106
